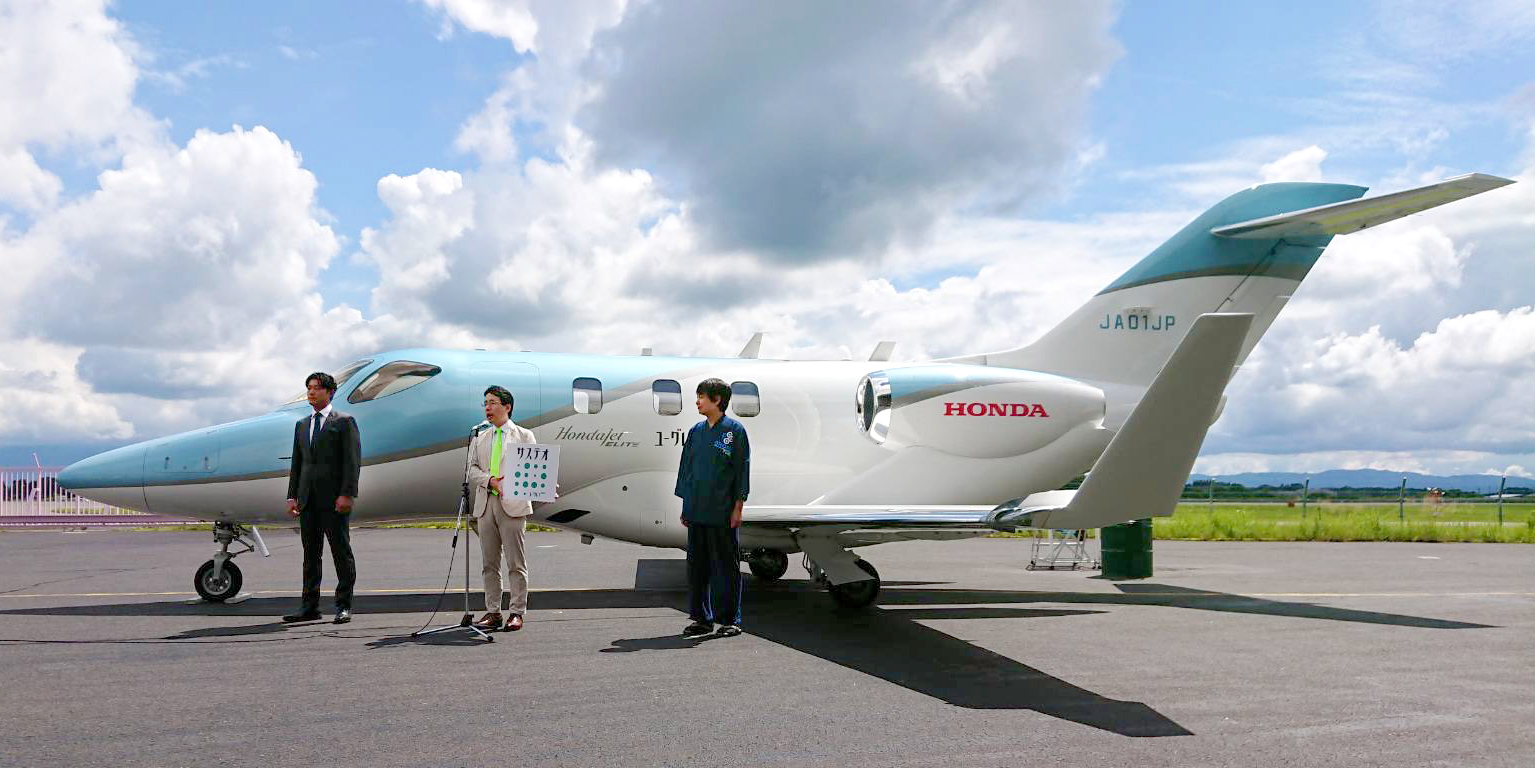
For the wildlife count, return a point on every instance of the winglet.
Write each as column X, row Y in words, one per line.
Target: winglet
column 1143, row 470
column 1354, row 215
column 752, row 347
column 882, row 351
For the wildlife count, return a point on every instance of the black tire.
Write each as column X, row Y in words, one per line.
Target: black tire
column 857, row 594
column 768, row 564
column 218, row 590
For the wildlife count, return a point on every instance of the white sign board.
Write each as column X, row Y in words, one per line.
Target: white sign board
column 529, row 472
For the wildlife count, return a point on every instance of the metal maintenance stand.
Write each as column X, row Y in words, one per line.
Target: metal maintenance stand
column 1062, row 550
column 467, row 622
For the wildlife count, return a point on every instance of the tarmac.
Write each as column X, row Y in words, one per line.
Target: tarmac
column 1234, row 653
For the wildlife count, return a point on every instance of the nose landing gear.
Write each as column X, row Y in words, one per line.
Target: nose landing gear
column 218, row 580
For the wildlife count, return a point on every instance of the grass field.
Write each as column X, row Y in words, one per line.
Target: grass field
column 1348, row 522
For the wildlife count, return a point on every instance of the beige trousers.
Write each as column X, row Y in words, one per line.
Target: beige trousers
column 500, row 531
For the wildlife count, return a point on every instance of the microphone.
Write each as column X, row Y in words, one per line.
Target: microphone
column 478, row 428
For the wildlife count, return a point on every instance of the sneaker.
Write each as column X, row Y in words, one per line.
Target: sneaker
column 698, row 629
column 729, row 630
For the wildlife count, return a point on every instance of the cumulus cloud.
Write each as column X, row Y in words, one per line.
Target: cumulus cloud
column 24, row 184
column 66, row 76
column 187, row 274
column 42, row 398
column 180, row 248
column 66, row 83
column 875, row 121
column 1300, row 165
column 538, row 97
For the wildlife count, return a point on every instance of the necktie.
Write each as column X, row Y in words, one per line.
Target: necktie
column 314, row 428
column 495, row 457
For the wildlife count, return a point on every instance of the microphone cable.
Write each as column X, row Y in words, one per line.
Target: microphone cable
column 460, row 523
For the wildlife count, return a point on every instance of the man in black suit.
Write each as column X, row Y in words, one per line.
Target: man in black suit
column 327, row 458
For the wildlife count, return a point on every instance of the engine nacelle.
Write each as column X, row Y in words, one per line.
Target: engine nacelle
column 971, row 410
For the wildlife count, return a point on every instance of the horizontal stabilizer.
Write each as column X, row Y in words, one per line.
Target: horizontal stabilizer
column 1354, row 215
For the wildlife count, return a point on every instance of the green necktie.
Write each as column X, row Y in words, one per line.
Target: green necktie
column 495, row 458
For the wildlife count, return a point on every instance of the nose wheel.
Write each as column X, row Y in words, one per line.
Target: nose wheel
column 216, row 584
column 219, row 579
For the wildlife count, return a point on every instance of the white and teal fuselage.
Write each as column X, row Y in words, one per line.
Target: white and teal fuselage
column 973, row 430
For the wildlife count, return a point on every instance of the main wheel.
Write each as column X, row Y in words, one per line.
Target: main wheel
column 857, row 594
column 768, row 564
column 217, row 589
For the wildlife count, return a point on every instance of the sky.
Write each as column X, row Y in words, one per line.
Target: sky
column 201, row 204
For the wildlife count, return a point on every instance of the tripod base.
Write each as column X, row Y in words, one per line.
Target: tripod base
column 465, row 623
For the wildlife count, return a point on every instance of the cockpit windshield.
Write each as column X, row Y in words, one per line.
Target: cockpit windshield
column 391, row 378
column 342, row 376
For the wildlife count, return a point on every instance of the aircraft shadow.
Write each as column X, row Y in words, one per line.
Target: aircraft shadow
column 1173, row 597
column 909, row 654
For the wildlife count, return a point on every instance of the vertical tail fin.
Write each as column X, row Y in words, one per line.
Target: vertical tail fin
column 1247, row 254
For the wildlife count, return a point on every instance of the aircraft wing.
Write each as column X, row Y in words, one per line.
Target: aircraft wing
column 1354, row 215
column 867, row 516
column 894, row 516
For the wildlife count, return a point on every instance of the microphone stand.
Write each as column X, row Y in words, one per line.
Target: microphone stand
column 467, row 622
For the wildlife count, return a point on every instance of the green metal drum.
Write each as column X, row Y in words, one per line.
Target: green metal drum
column 1126, row 550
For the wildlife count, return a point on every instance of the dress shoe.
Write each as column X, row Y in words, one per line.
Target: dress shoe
column 490, row 622
column 309, row 614
column 514, row 623
column 698, row 629
column 343, row 616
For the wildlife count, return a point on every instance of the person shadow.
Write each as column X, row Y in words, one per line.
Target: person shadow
column 662, row 643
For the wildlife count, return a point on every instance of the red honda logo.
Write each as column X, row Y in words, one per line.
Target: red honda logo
column 994, row 409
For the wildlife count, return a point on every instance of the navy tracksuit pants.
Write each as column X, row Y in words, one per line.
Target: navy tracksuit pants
column 714, row 573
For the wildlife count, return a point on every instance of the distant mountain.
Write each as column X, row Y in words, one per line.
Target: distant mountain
column 1370, row 478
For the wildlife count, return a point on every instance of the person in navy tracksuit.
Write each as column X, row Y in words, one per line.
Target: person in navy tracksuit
column 713, row 479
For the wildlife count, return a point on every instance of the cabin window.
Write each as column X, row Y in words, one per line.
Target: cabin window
column 391, row 378
column 345, row 375
column 586, row 395
column 744, row 398
column 667, row 397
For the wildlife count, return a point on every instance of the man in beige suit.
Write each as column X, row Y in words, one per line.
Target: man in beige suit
column 500, row 522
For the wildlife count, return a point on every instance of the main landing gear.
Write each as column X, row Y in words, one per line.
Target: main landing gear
column 767, row 564
column 849, row 594
column 219, row 579
column 850, row 580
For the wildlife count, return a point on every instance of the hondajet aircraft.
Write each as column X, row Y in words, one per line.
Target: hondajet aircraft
column 844, row 454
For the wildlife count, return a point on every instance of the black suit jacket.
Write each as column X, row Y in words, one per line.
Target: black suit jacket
column 330, row 467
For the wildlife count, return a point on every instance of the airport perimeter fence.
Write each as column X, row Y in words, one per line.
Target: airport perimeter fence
column 34, row 492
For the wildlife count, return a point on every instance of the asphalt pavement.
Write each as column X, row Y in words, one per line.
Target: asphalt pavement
column 1239, row 653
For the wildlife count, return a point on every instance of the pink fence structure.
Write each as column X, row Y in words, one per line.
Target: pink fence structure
column 33, row 494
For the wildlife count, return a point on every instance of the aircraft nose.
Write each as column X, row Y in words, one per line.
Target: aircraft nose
column 115, row 477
